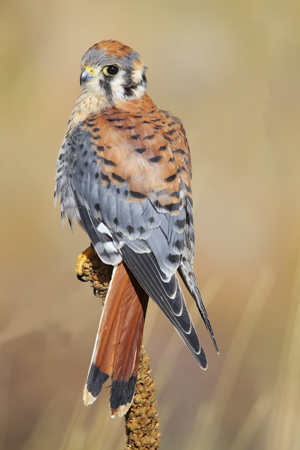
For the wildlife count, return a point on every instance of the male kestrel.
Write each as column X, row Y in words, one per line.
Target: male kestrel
column 124, row 174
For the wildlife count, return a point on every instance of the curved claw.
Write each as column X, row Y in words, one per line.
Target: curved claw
column 81, row 259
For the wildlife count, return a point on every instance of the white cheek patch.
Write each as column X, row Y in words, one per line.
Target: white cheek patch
column 92, row 87
column 137, row 75
column 117, row 87
column 139, row 91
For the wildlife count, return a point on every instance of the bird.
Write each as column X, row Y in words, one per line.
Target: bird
column 123, row 174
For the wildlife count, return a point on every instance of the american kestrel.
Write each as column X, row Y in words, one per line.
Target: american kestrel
column 124, row 174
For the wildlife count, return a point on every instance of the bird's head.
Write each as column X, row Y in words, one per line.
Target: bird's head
column 114, row 71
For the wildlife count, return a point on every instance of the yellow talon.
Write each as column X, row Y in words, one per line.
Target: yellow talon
column 81, row 259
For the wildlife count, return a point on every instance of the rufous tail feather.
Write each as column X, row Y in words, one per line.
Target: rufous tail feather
column 118, row 343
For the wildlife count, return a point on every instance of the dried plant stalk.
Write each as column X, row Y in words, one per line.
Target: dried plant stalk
column 141, row 422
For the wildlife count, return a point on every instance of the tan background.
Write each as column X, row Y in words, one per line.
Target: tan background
column 230, row 70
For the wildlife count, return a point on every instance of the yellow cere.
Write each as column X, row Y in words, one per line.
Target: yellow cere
column 90, row 70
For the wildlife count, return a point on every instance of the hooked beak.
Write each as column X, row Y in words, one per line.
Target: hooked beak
column 85, row 76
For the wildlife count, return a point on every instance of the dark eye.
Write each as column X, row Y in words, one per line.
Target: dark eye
column 110, row 71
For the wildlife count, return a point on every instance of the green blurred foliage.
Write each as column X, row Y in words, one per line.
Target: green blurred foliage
column 230, row 70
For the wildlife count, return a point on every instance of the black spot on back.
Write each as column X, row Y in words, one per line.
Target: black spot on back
column 169, row 133
column 179, row 244
column 171, row 207
column 109, row 162
column 130, row 229
column 140, row 150
column 171, row 178
column 118, row 178
column 180, row 151
column 148, row 138
column 105, row 178
column 137, row 195
column 180, row 223
column 155, row 159
column 173, row 258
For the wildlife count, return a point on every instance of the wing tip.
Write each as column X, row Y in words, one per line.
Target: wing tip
column 201, row 358
column 215, row 344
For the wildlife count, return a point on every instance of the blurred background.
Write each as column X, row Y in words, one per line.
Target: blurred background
column 230, row 70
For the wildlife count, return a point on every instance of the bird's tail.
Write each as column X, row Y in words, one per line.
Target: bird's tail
column 118, row 342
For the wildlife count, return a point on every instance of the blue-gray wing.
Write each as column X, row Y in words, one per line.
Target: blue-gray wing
column 131, row 191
